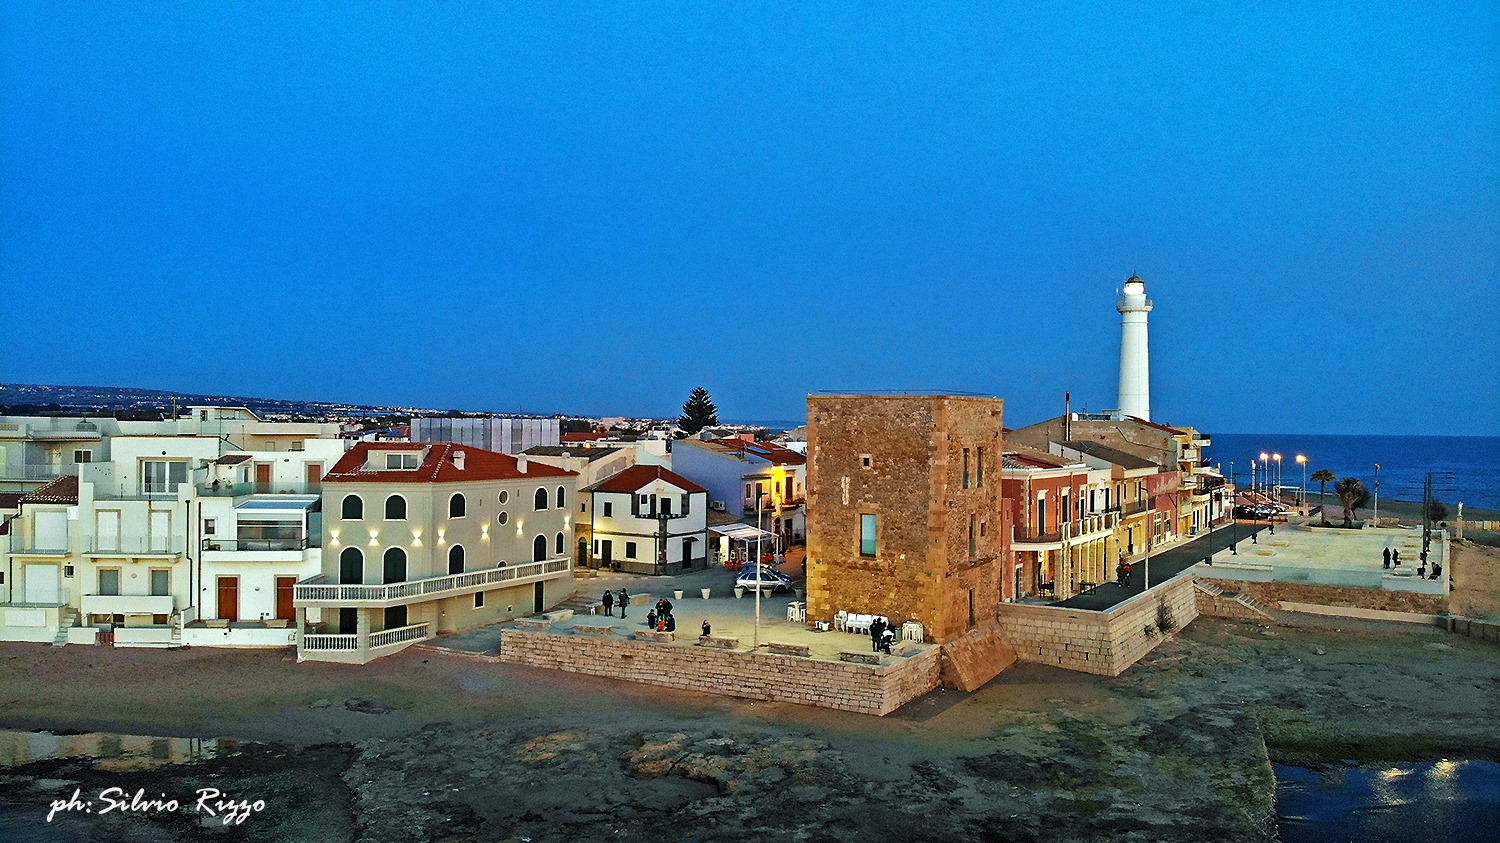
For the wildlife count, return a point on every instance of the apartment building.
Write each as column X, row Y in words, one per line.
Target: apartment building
column 1061, row 539
column 184, row 531
column 421, row 539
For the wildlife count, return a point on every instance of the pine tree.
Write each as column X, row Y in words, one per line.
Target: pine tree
column 698, row 412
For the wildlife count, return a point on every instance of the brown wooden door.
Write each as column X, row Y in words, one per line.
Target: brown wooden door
column 314, row 476
column 263, row 477
column 284, row 608
column 229, row 598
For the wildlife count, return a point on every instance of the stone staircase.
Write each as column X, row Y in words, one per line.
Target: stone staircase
column 68, row 616
column 580, row 603
column 1250, row 608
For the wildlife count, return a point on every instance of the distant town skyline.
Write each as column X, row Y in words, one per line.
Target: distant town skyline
column 595, row 210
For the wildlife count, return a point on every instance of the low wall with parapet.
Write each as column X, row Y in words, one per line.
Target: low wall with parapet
column 1273, row 594
column 1106, row 643
column 867, row 689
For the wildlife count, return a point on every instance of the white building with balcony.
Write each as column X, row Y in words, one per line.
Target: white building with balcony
column 421, row 539
column 648, row 520
column 188, row 531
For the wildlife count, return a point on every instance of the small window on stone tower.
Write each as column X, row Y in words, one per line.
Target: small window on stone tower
column 866, row 461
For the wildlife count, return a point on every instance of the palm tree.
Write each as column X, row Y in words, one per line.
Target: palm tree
column 1323, row 477
column 1352, row 495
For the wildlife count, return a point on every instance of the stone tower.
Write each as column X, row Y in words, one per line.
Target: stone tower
column 1135, row 359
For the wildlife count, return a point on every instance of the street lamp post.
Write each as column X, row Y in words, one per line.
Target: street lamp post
column 1277, row 458
column 758, row 534
column 1375, row 519
column 1302, row 458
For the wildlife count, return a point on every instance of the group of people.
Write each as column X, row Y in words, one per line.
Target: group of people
column 1392, row 559
column 609, row 600
column 882, row 636
column 660, row 617
column 1123, row 572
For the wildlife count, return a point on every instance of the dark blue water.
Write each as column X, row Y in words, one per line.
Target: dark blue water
column 1467, row 467
column 1450, row 801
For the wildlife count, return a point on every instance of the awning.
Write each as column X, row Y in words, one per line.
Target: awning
column 742, row 532
column 279, row 503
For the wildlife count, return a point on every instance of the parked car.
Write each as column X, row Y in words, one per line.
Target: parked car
column 769, row 578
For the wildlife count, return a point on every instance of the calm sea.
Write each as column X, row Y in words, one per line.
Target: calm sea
column 1465, row 468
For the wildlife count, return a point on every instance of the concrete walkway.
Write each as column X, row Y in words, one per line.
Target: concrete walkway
column 1168, row 563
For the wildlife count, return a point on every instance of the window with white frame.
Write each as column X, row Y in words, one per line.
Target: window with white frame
column 403, row 462
column 162, row 477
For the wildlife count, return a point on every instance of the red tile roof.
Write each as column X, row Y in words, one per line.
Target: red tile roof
column 637, row 477
column 10, row 500
column 438, row 466
column 62, row 490
column 583, row 437
column 769, row 451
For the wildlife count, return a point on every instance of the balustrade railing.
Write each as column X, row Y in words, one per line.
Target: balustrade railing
column 314, row 590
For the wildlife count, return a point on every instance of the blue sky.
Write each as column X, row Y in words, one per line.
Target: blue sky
column 593, row 208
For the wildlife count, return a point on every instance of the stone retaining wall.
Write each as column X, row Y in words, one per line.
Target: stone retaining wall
column 1273, row 594
column 1225, row 607
column 1487, row 630
column 851, row 687
column 1106, row 643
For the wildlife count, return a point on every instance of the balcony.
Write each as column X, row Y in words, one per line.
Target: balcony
column 126, row 604
column 163, row 546
column 32, row 547
column 1135, row 508
column 257, row 550
column 315, row 592
column 36, row 472
column 1084, row 528
column 237, row 490
column 360, row 648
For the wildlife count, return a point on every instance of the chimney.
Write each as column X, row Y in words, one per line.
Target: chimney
column 458, row 460
column 521, row 463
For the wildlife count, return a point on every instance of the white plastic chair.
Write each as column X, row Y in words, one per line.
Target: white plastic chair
column 841, row 621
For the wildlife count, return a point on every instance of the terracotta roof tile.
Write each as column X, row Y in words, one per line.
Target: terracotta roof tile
column 437, row 466
column 637, row 477
column 62, row 490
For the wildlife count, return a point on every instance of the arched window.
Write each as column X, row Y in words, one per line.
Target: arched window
column 562, row 544
column 562, row 498
column 353, row 508
column 541, row 500
column 351, row 566
column 457, row 506
column 456, row 559
column 539, row 549
column 395, row 565
column 395, row 508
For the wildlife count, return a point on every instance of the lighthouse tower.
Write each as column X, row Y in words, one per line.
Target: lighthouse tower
column 1135, row 360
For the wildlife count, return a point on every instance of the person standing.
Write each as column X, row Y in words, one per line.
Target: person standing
column 877, row 629
column 623, row 601
column 1396, row 558
column 1387, row 555
column 609, row 602
column 1129, row 569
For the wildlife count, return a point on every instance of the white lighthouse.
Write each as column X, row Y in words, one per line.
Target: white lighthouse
column 1135, row 359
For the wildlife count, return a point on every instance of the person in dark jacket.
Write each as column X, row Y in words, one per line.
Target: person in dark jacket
column 877, row 629
column 609, row 602
column 623, row 601
column 1387, row 556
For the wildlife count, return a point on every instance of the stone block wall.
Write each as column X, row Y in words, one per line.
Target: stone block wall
column 1224, row 607
column 1106, row 643
column 1273, row 593
column 900, row 459
column 865, row 689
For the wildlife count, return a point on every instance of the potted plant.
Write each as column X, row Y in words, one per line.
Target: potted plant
column 739, row 591
column 676, row 594
column 705, row 593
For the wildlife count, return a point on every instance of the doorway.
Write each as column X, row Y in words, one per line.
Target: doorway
column 314, row 477
column 229, row 598
column 538, row 598
column 285, row 587
column 262, row 477
column 607, row 560
column 348, row 621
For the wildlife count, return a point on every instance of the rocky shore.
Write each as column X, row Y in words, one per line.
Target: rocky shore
column 1178, row 748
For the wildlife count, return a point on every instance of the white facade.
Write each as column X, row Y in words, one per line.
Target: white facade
column 658, row 527
column 1135, row 358
column 177, row 530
